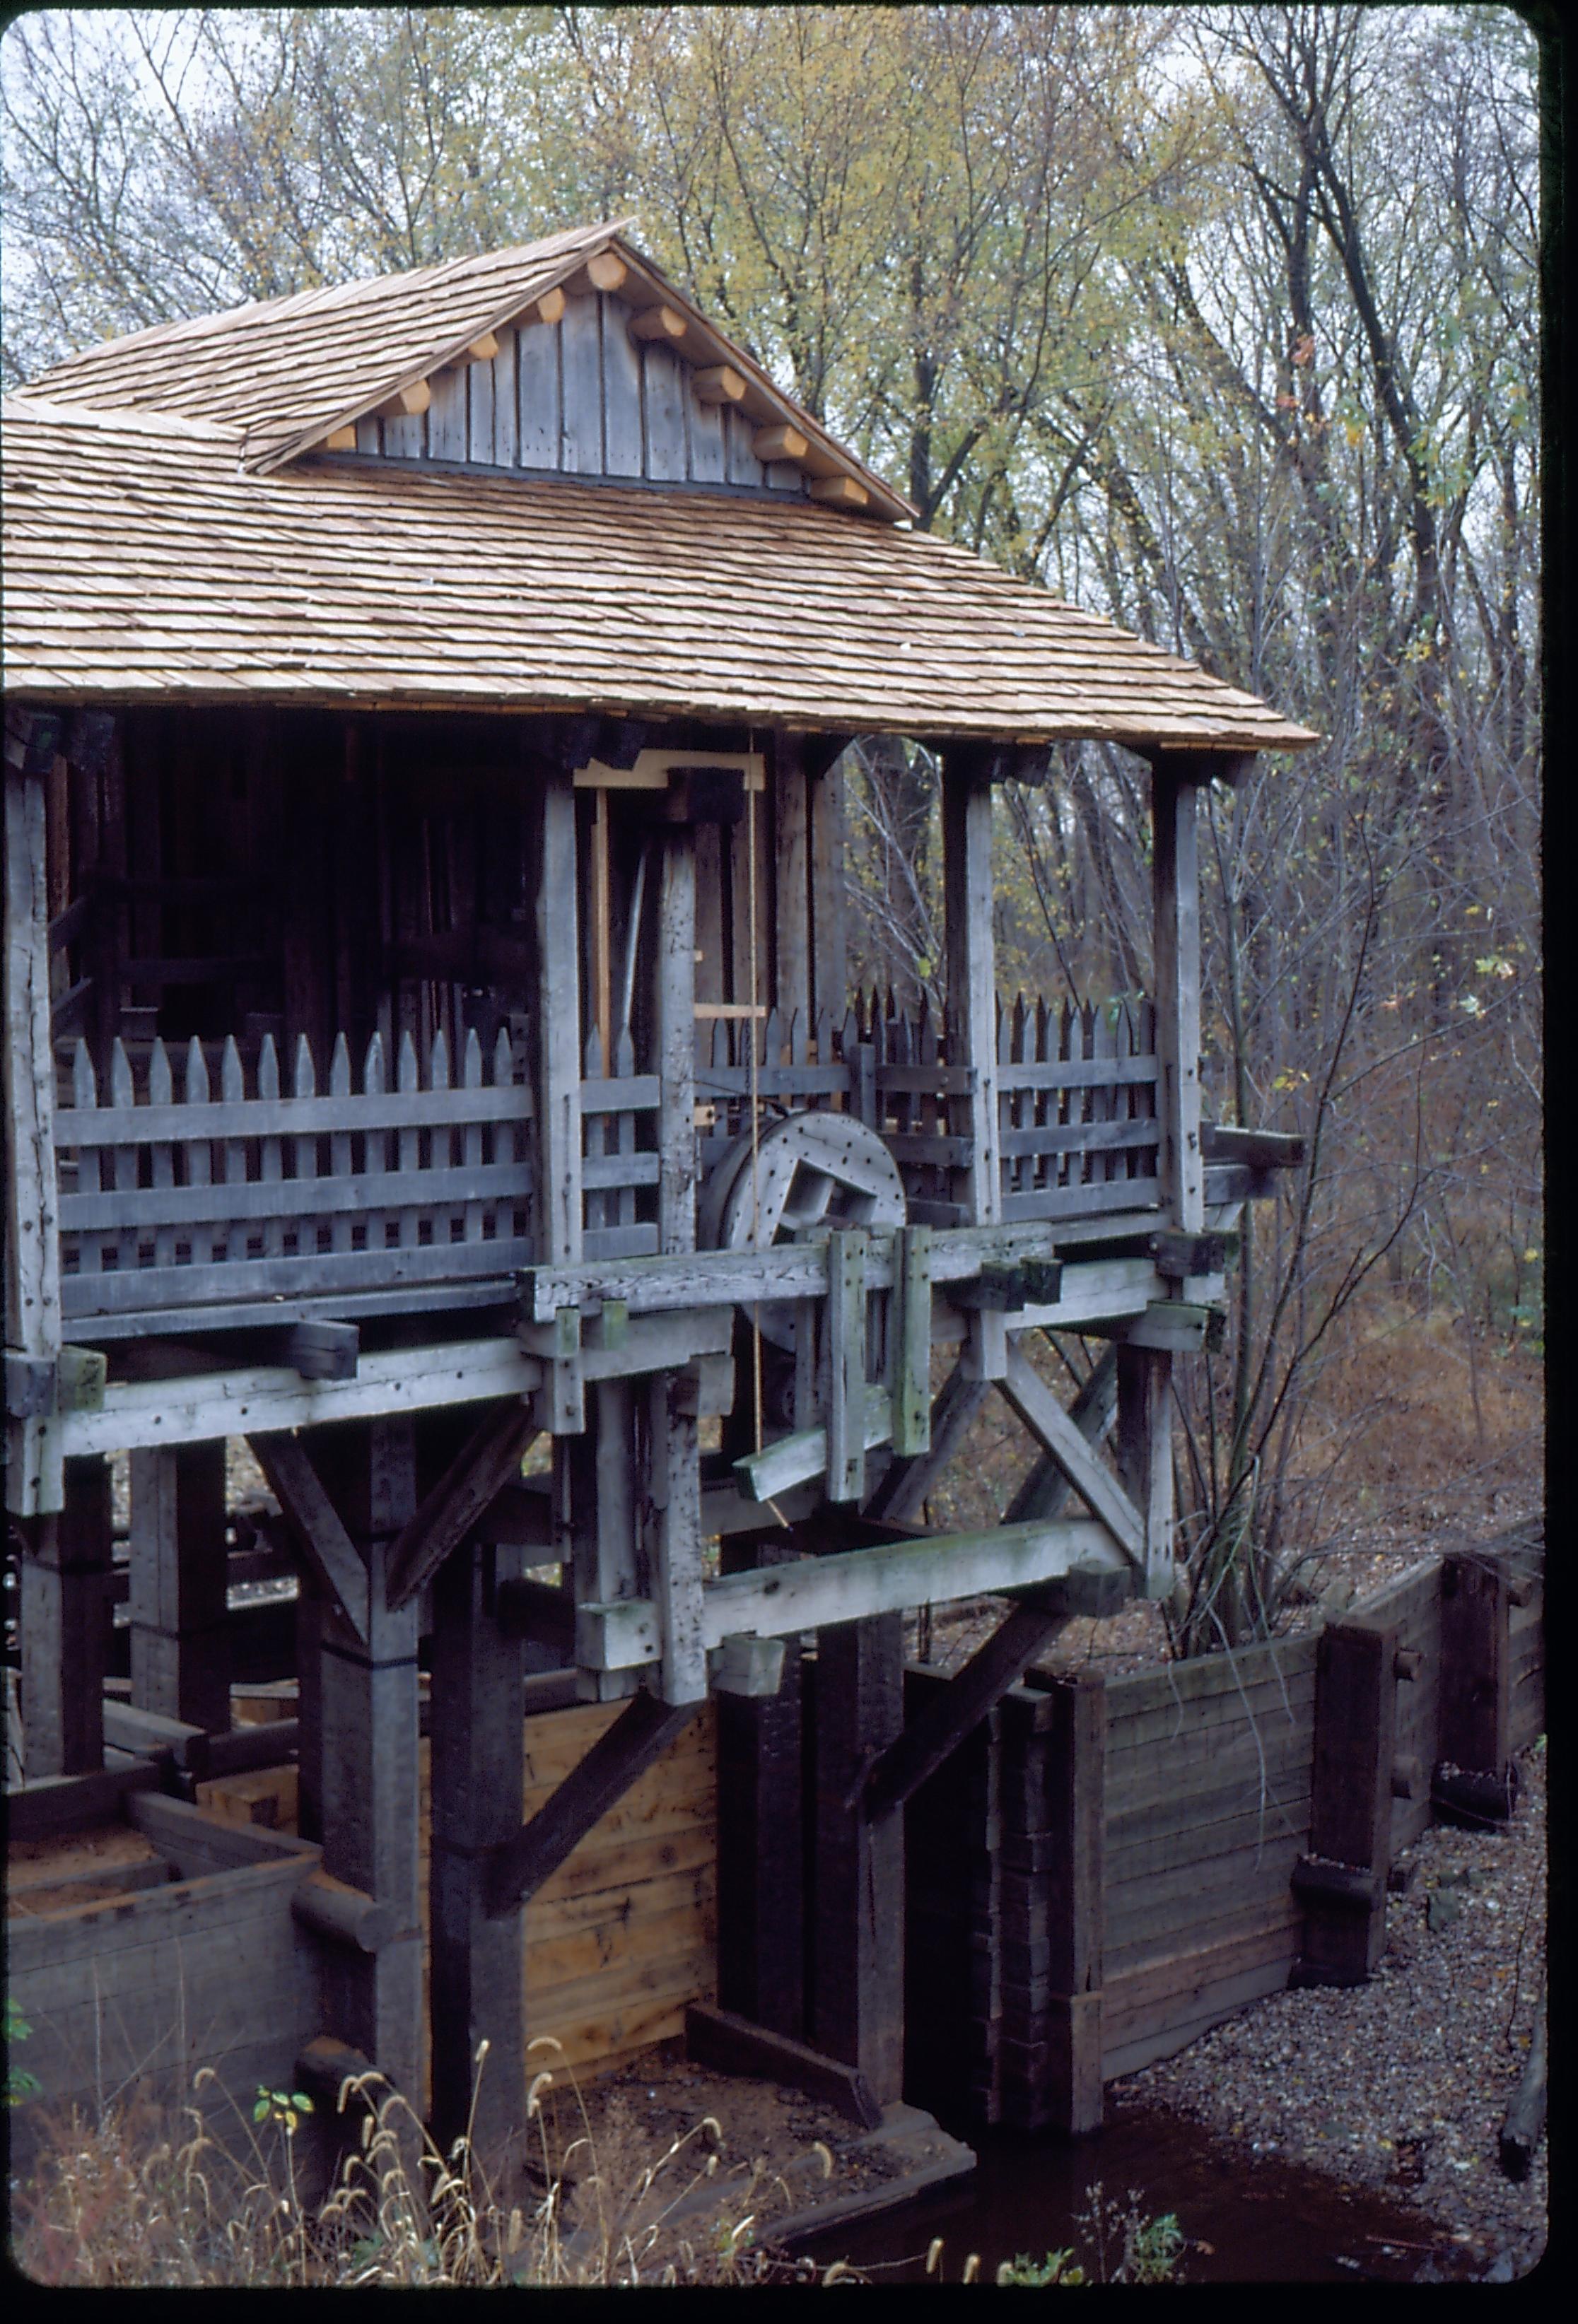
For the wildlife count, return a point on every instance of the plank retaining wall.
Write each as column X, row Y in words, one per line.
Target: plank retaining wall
column 1107, row 1869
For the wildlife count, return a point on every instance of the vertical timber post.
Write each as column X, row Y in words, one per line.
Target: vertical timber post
column 477, row 1802
column 32, row 1253
column 181, row 1647
column 674, row 1483
column 856, row 2008
column 1053, row 1805
column 829, row 967
column 1145, row 1376
column 369, row 1721
column 64, row 1619
column 791, row 981
column 1341, row 1883
column 972, row 1014
column 760, row 1894
column 1475, row 1726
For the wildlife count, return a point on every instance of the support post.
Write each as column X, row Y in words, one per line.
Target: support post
column 676, row 1041
column 31, row 1259
column 65, row 1627
column 791, row 922
column 369, row 1718
column 829, row 950
column 180, row 1645
column 1474, row 1731
column 1176, row 902
column 1342, row 1882
column 856, row 2008
column 478, row 1792
column 1145, row 1455
column 1052, row 1799
column 605, row 1565
column 760, row 1891
column 556, row 1063
column 971, row 997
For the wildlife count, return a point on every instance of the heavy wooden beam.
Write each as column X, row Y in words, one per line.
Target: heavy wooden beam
column 907, row 1484
column 1176, row 903
column 1045, row 1491
column 856, row 2002
column 971, row 996
column 854, row 1585
column 31, row 1263
column 64, row 1618
column 315, row 1522
column 731, row 2044
column 477, row 1785
column 1061, row 1437
column 1145, row 1454
column 181, row 1647
column 990, row 1671
column 489, row 1460
column 761, row 1860
column 641, row 1733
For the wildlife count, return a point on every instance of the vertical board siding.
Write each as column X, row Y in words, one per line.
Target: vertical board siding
column 1413, row 1604
column 580, row 396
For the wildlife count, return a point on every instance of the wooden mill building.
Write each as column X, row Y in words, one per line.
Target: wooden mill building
column 428, row 1038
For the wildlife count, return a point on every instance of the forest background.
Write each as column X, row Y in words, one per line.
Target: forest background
column 1223, row 322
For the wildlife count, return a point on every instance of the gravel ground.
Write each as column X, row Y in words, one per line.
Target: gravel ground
column 1401, row 2084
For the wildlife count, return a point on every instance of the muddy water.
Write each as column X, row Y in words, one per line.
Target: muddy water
column 1248, row 2219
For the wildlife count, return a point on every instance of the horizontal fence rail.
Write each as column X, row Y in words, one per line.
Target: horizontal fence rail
column 229, row 1189
column 238, row 1193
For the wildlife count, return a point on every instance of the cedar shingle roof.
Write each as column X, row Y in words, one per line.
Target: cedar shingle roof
column 286, row 373
column 143, row 560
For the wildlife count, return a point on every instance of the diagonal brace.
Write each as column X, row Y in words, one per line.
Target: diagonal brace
column 1062, row 1437
column 907, row 1484
column 641, row 1734
column 1045, row 1491
column 1035, row 1621
column 315, row 1521
column 488, row 1460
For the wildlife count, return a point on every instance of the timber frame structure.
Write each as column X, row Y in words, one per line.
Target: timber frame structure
column 427, row 1031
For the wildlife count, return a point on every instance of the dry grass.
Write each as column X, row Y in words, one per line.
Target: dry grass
column 124, row 2201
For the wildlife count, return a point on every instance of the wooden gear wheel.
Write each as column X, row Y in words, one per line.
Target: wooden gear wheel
column 813, row 1170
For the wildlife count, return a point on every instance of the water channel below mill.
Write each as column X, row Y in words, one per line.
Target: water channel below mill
column 1248, row 2219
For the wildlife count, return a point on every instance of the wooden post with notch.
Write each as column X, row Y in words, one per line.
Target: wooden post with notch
column 181, row 1647
column 1342, row 1882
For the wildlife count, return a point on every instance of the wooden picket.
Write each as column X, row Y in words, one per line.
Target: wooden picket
column 249, row 1195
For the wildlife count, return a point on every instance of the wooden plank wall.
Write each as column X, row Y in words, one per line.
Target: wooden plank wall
column 624, row 1933
column 1525, row 1642
column 1207, row 1812
column 580, row 398
column 130, row 1995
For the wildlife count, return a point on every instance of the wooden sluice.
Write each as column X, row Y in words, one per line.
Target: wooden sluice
column 430, row 1060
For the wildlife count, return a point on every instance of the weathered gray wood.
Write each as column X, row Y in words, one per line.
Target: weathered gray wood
column 665, row 397
column 903, row 1489
column 179, row 1643
column 622, row 393
column 50, row 1806
column 676, row 1037
column 854, row 1585
column 556, row 1024
column 270, row 1398
column 1063, row 1440
column 673, row 1488
column 640, row 1735
column 537, row 361
column 971, row 1032
column 794, row 1460
column 27, row 1093
column 857, row 2000
column 490, row 1459
column 846, row 1364
column 1045, row 1491
column 1145, row 1452
column 829, row 961
column 909, row 1343
column 581, row 355
column 64, row 1615
column 345, row 1915
column 791, row 984
column 1176, row 902
column 478, row 1792
column 370, row 1719
column 316, row 1523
